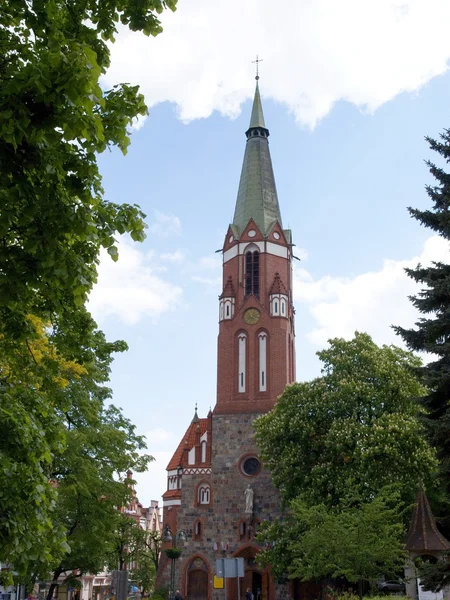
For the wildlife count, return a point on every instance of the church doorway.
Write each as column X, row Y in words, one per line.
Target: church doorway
column 197, row 585
column 258, row 581
column 197, row 580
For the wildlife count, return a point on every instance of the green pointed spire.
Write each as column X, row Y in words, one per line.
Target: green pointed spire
column 257, row 118
column 257, row 195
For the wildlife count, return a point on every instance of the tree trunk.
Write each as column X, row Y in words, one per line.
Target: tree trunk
column 360, row 589
column 53, row 584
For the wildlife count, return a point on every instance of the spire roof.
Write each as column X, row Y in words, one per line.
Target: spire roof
column 257, row 195
column 423, row 534
column 257, row 118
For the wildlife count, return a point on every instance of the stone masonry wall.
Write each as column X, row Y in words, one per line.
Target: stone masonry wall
column 232, row 439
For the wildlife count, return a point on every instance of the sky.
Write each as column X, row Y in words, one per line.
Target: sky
column 349, row 90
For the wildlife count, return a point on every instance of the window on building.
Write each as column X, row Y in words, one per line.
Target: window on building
column 204, row 494
column 242, row 531
column 242, row 357
column 262, row 338
column 198, row 530
column 203, row 451
column 252, row 273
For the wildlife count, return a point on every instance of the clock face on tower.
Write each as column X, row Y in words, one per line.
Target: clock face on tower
column 252, row 316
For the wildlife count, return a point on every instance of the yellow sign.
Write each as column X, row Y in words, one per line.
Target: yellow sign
column 218, row 583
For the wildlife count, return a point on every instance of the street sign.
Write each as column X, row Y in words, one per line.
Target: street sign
column 230, row 567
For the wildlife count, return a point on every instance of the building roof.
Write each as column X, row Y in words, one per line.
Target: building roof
column 257, row 118
column 423, row 533
column 278, row 286
column 228, row 290
column 187, row 441
column 257, row 197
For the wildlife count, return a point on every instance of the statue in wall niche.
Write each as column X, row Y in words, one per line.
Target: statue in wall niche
column 249, row 493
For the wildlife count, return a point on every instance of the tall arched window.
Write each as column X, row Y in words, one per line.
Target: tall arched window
column 198, row 530
column 252, row 273
column 203, row 446
column 262, row 342
column 242, row 355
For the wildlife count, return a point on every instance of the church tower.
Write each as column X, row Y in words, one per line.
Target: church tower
column 256, row 317
column 218, row 491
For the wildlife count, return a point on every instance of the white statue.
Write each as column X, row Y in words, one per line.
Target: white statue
column 248, row 493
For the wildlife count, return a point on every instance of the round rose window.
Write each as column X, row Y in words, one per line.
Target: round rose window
column 250, row 466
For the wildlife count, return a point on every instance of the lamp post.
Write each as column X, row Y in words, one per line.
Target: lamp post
column 173, row 553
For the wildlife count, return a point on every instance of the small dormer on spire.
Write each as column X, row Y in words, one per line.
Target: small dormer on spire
column 227, row 301
column 278, row 298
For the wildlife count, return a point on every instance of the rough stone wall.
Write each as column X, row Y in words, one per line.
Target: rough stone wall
column 232, row 439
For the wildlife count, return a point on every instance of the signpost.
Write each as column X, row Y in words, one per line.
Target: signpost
column 230, row 568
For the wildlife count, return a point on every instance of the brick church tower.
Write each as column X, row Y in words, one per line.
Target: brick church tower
column 217, row 491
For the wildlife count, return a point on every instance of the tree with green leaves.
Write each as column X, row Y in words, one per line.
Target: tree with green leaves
column 432, row 333
column 88, row 476
column 354, row 428
column 144, row 573
column 335, row 443
column 55, row 119
column 361, row 542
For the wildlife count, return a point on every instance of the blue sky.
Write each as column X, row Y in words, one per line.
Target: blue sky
column 347, row 118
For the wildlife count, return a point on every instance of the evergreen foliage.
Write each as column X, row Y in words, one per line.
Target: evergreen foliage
column 432, row 334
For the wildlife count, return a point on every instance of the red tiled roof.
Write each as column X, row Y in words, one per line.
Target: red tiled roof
column 171, row 494
column 188, row 437
column 278, row 286
column 423, row 533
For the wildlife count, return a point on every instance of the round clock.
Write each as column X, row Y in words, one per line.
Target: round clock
column 252, row 316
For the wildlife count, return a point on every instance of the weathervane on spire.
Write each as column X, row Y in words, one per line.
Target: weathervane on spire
column 257, row 61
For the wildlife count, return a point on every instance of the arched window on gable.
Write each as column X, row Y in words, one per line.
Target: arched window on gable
column 203, row 446
column 252, row 272
column 204, row 494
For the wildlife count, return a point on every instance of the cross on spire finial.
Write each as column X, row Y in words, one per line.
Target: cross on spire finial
column 257, row 61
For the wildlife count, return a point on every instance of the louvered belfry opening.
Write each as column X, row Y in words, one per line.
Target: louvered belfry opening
column 252, row 273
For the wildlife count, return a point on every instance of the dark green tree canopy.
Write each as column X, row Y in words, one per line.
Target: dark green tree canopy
column 54, row 119
column 354, row 428
column 346, row 450
column 432, row 335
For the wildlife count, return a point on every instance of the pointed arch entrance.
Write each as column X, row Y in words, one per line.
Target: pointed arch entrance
column 196, row 578
column 255, row 578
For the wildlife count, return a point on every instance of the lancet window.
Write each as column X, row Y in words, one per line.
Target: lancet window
column 252, row 273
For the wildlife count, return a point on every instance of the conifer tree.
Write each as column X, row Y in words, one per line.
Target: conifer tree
column 432, row 335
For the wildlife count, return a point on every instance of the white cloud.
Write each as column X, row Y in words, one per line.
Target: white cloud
column 173, row 257
column 165, row 225
column 369, row 302
column 315, row 54
column 132, row 288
